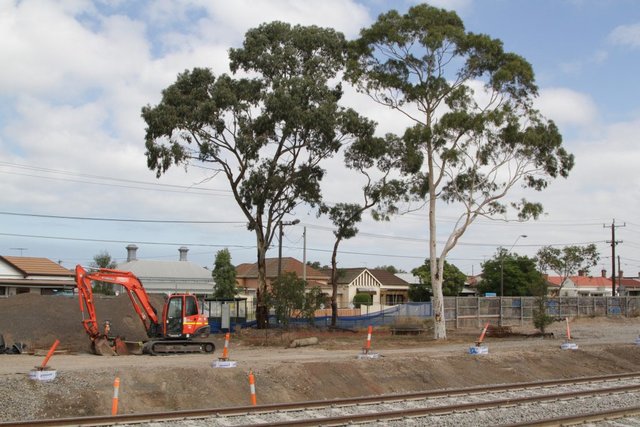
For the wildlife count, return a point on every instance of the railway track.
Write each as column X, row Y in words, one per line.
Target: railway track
column 538, row 403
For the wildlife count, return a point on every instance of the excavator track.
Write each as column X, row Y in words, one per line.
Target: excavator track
column 177, row 346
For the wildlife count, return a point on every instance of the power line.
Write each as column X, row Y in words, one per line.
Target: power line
column 81, row 239
column 312, row 226
column 162, row 186
column 170, row 221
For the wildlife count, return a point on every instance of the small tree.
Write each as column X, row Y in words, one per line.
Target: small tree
column 567, row 261
column 369, row 156
column 103, row 260
column 419, row 292
column 541, row 319
column 452, row 283
column 286, row 295
column 224, row 275
column 510, row 271
column 360, row 299
column 313, row 300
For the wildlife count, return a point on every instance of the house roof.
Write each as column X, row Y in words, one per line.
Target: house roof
column 629, row 283
column 166, row 269
column 409, row 278
column 289, row 265
column 30, row 266
column 348, row 275
column 582, row 281
column 387, row 278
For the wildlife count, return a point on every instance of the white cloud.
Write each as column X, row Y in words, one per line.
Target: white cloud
column 238, row 16
column 566, row 106
column 626, row 35
column 46, row 50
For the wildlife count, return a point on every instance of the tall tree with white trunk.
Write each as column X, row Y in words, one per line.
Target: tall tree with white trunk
column 474, row 133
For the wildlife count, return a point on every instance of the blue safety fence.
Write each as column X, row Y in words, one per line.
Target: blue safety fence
column 379, row 318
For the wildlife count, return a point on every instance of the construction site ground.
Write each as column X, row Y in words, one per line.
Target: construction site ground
column 327, row 370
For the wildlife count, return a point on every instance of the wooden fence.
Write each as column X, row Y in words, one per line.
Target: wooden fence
column 461, row 312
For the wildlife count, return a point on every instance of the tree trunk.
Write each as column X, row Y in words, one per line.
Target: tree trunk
column 334, row 284
column 262, row 311
column 436, row 265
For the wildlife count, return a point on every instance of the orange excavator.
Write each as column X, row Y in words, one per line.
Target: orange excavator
column 182, row 329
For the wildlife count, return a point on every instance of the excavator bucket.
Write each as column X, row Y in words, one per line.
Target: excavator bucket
column 101, row 347
column 127, row 347
column 120, row 347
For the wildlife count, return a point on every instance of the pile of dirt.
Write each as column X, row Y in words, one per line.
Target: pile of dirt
column 38, row 320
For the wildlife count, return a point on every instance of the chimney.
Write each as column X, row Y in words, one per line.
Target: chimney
column 580, row 272
column 131, row 253
column 183, row 253
column 603, row 272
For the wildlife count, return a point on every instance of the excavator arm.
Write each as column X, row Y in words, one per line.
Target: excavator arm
column 135, row 290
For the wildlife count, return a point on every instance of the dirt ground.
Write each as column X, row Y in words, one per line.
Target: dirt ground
column 328, row 370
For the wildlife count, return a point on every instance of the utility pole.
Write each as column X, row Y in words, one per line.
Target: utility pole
column 304, row 254
column 613, row 242
column 281, row 224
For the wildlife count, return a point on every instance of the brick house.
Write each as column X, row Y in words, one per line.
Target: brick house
column 247, row 275
column 580, row 285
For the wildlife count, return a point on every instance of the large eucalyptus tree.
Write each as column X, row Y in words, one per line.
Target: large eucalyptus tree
column 474, row 133
column 266, row 132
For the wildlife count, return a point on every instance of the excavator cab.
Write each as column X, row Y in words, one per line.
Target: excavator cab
column 182, row 318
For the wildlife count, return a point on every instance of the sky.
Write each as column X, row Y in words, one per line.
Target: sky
column 73, row 176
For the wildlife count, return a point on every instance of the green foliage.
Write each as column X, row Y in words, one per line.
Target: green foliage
column 286, row 296
column 567, row 261
column 541, row 319
column 474, row 134
column 268, row 133
column 317, row 265
column 452, row 284
column 520, row 275
column 224, row 275
column 419, row 292
column 314, row 299
column 103, row 260
column 360, row 299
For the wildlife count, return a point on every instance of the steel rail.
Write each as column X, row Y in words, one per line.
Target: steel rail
column 582, row 418
column 98, row 420
column 444, row 410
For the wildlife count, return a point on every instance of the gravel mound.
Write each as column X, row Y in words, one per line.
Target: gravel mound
column 38, row 320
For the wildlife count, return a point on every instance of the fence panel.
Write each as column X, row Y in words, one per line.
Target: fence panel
column 474, row 312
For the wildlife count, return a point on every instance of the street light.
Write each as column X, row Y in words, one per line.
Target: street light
column 502, row 272
column 282, row 224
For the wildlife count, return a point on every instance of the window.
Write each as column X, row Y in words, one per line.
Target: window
column 175, row 308
column 393, row 299
column 192, row 307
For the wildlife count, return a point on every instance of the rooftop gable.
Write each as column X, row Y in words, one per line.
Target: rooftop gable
column 289, row 265
column 31, row 266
